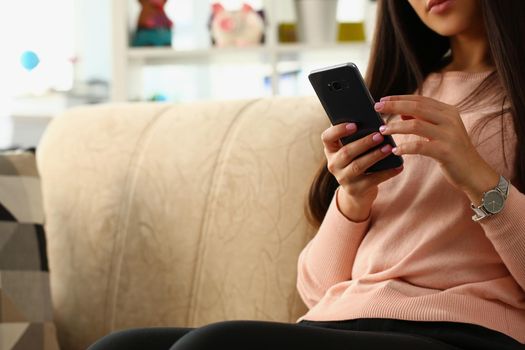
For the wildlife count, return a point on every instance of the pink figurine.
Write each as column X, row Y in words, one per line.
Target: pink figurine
column 244, row 27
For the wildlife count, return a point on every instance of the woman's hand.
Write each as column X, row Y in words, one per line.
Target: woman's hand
column 348, row 164
column 444, row 138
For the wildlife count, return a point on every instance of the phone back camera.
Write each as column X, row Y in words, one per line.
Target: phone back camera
column 338, row 85
column 335, row 86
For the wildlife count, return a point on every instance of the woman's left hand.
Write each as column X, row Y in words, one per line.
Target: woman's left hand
column 443, row 138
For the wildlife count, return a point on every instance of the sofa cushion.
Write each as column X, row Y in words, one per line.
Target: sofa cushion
column 25, row 299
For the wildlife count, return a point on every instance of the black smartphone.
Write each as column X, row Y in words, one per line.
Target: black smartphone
column 346, row 99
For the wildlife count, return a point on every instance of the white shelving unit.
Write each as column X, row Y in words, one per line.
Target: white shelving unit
column 275, row 59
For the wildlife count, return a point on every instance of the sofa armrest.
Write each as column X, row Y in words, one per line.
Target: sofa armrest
column 181, row 215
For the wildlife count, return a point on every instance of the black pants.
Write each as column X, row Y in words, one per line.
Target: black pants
column 367, row 334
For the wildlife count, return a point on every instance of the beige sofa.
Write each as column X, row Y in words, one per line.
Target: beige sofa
column 177, row 215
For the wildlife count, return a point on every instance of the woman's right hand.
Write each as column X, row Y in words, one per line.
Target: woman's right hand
column 348, row 164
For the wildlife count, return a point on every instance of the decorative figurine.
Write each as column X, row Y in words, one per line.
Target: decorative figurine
column 244, row 27
column 154, row 26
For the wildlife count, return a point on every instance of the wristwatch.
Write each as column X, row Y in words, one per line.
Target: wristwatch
column 492, row 201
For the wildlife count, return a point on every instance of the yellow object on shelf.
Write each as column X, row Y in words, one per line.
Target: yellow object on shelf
column 351, row 32
column 287, row 32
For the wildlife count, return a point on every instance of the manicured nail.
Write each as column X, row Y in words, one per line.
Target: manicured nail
column 377, row 137
column 382, row 129
column 395, row 150
column 351, row 126
column 379, row 106
column 399, row 168
column 386, row 98
column 386, row 149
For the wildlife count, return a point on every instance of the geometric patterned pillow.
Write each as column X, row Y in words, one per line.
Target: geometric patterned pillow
column 26, row 320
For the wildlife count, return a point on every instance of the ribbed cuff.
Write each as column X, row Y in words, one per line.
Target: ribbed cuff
column 330, row 256
column 506, row 231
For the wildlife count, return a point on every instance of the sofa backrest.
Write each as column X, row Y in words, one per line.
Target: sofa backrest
column 177, row 214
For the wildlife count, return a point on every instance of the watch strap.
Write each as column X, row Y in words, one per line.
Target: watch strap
column 503, row 186
column 479, row 213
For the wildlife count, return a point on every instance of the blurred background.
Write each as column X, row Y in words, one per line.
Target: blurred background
column 58, row 54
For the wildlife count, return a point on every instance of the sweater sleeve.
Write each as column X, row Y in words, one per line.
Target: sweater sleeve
column 329, row 256
column 506, row 231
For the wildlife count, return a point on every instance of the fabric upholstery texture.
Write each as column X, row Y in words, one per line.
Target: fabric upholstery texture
column 25, row 299
column 177, row 215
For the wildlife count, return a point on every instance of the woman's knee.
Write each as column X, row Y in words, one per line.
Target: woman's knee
column 226, row 334
column 140, row 339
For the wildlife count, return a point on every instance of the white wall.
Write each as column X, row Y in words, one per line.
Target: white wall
column 93, row 39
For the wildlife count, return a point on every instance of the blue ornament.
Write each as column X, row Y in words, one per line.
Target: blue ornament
column 29, row 60
column 159, row 98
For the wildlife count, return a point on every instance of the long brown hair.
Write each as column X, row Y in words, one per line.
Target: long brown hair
column 405, row 51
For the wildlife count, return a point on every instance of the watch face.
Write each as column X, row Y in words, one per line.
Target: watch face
column 493, row 201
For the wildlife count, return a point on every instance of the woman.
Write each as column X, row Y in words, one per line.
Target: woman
column 431, row 255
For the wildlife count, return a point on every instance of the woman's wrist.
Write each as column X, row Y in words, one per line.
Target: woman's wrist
column 355, row 211
column 483, row 181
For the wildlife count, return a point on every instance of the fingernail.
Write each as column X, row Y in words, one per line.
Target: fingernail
column 351, row 126
column 394, row 150
column 377, row 137
column 379, row 106
column 386, row 149
column 399, row 168
column 386, row 98
column 382, row 129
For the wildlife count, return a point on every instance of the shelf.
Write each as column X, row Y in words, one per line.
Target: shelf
column 304, row 48
column 163, row 55
column 170, row 53
column 159, row 56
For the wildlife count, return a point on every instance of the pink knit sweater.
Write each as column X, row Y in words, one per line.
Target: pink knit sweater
column 420, row 256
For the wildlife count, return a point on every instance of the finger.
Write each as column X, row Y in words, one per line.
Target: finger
column 379, row 177
column 331, row 136
column 413, row 127
column 418, row 109
column 367, row 181
column 351, row 151
column 443, row 109
column 416, row 98
column 422, row 147
column 359, row 165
